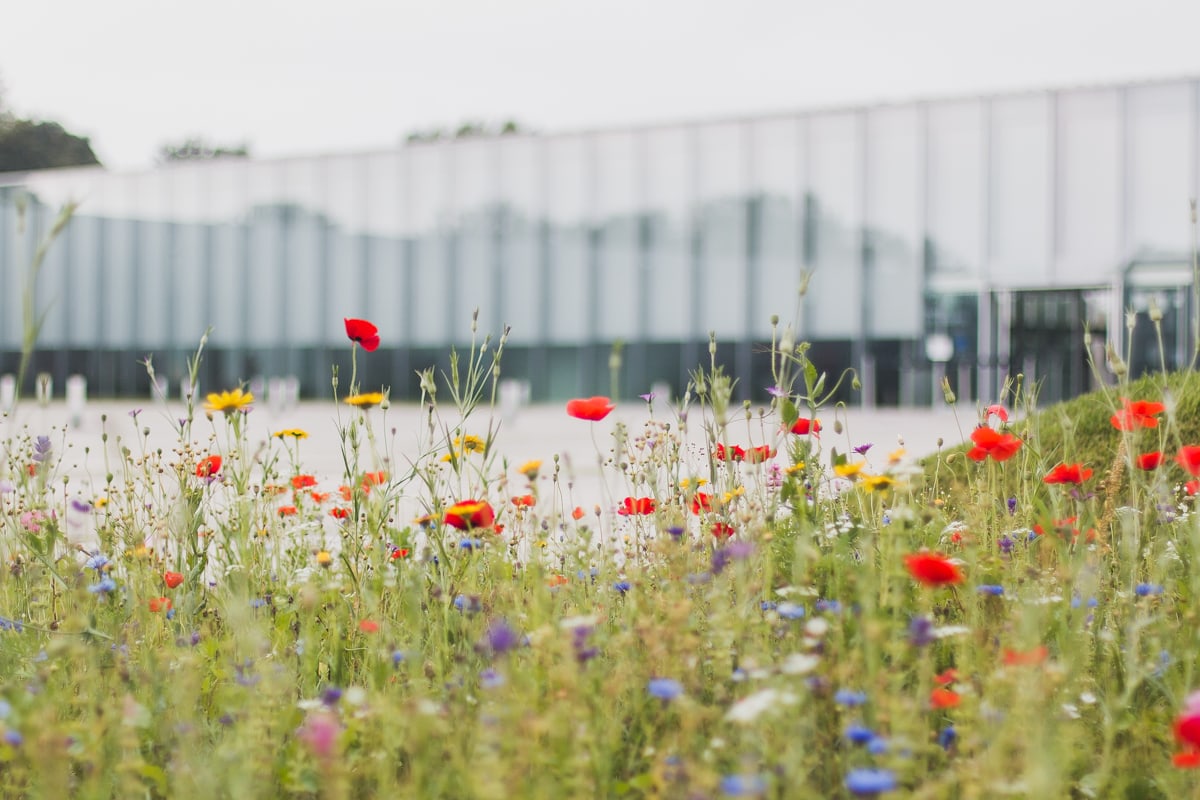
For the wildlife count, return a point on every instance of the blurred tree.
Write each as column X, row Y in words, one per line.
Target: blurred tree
column 27, row 144
column 466, row 130
column 197, row 149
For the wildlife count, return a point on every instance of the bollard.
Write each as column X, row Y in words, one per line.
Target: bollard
column 76, row 399
column 43, row 388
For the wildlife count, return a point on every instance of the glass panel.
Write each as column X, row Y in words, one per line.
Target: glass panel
column 475, row 203
column 189, row 255
column 523, row 289
column 618, row 294
column 53, row 297
column 568, row 187
column 1159, row 183
column 1020, row 190
column 1089, row 202
column 894, row 274
column 230, row 237
column 776, row 222
column 834, row 301
column 721, row 212
column 387, row 302
column 153, row 293
column 669, row 178
column 308, row 321
column 346, row 292
column 954, row 153
column 264, row 276
column 120, row 245
column 426, row 203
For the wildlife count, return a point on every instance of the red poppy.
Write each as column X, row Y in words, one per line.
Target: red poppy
column 303, row 481
column 362, row 332
column 1026, row 658
column 933, row 569
column 946, row 677
column 1066, row 526
column 1068, row 473
column 701, row 502
column 160, row 604
column 399, row 552
column 636, row 506
column 1192, row 488
column 208, row 466
column 593, row 409
column 1188, row 457
column 944, row 698
column 988, row 442
column 172, row 579
column 368, row 626
column 287, row 511
column 1187, row 729
column 805, row 426
column 722, row 530
column 320, row 497
column 1188, row 759
column 339, row 513
column 1137, row 414
column 757, row 455
column 577, row 514
column 346, row 492
column 733, row 453
column 373, row 479
column 524, row 501
column 997, row 410
column 1149, row 461
column 469, row 514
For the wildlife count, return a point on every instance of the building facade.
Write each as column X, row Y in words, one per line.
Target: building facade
column 970, row 237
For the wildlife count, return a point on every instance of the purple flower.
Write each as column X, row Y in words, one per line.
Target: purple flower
column 13, row 738
column 734, row 551
column 920, row 631
column 850, row 698
column 42, row 448
column 490, row 679
column 133, row 414
column 82, row 506
column 665, row 689
column 500, row 637
column 331, row 696
column 947, row 737
column 648, row 397
column 1012, row 505
column 775, row 391
column 743, row 785
column 863, row 448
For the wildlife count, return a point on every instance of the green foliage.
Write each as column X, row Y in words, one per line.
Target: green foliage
column 27, row 145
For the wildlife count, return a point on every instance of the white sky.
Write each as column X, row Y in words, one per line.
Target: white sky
column 299, row 76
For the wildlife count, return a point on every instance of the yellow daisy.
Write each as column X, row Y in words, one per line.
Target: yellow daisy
column 365, row 400
column 848, row 470
column 530, row 469
column 295, row 433
column 228, row 402
column 878, row 482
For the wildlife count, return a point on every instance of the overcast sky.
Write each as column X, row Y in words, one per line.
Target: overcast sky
column 297, row 76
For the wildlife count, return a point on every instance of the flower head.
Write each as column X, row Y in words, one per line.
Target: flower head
column 362, row 332
column 1137, row 414
column 805, row 427
column 664, row 688
column 208, row 466
column 295, row 433
column 1188, row 457
column 863, row 782
column 1149, row 461
column 365, row 400
column 932, row 569
column 593, row 409
column 172, row 579
column 639, row 506
column 988, row 442
column 469, row 514
column 1068, row 473
column 228, row 402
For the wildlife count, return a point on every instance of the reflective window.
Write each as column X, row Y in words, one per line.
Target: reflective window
column 894, row 277
column 568, row 172
column 776, row 222
column 669, row 186
column 269, row 216
column 1088, row 197
column 833, row 305
column 229, row 254
column 476, row 199
column 1159, row 181
column 1019, row 199
column 304, row 277
column 721, row 215
column 954, row 154
column 428, row 179
column 620, row 301
column 522, row 264
column 388, row 299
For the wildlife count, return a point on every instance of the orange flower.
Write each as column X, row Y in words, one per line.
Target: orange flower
column 287, row 511
column 1027, row 658
column 1068, row 473
column 1137, row 414
column 303, row 481
column 362, row 332
column 160, row 604
column 172, row 579
column 524, row 501
column 593, row 409
column 932, row 569
column 469, row 514
column 1188, row 457
column 339, row 513
column 1000, row 446
column 757, row 455
column 805, row 426
column 208, row 466
column 1188, row 759
column 1149, row 461
column 346, row 492
column 320, row 497
column 374, row 479
column 946, row 677
column 556, row 580
column 577, row 514
column 368, row 626
column 944, row 698
column 636, row 506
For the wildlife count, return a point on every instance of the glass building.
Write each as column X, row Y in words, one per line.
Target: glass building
column 967, row 237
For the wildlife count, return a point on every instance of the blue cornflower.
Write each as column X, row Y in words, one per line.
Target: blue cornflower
column 994, row 589
column 5, row 709
column 331, row 696
column 675, row 531
column 832, row 606
column 13, row 738
column 920, row 631
column 491, row 679
column 467, row 604
column 664, row 688
column 858, row 733
column 848, row 697
column 1147, row 589
column 743, row 785
column 869, row 782
column 947, row 737
column 877, row 746
column 790, row 611
column 96, row 562
column 105, row 586
column 397, row 658
column 500, row 637
column 470, row 544
column 768, row 605
column 622, row 586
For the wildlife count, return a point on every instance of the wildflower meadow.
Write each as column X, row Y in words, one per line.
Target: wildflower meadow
column 781, row 612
